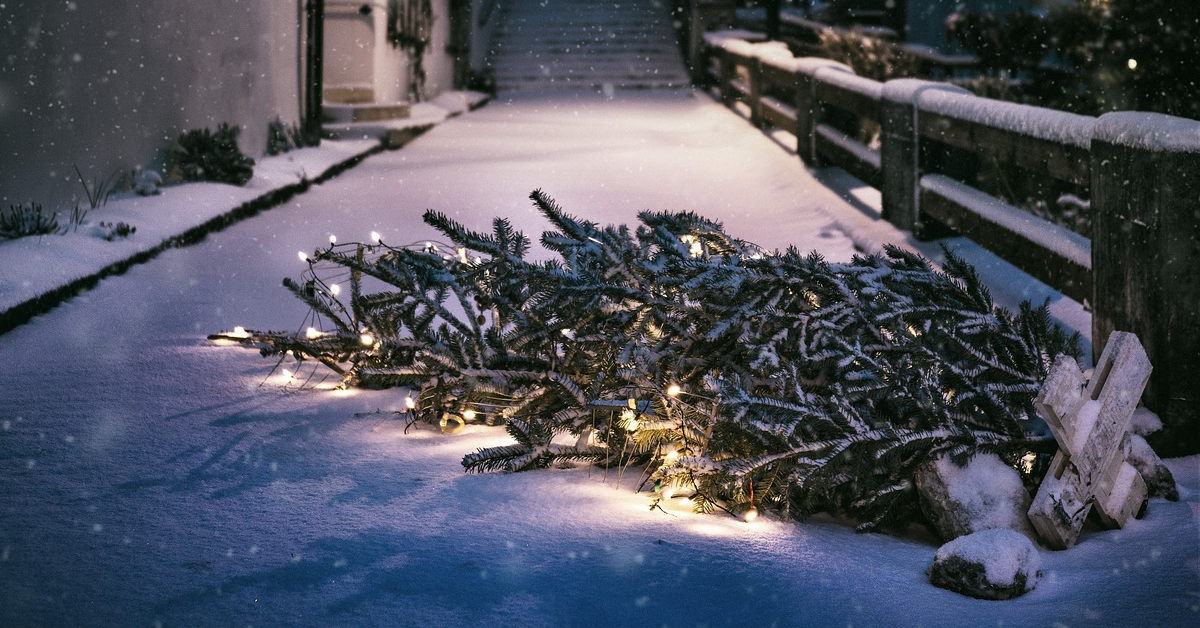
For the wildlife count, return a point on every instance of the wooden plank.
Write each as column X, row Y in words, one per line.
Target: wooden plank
column 1053, row 254
column 849, row 93
column 838, row 149
column 778, row 114
column 1062, row 161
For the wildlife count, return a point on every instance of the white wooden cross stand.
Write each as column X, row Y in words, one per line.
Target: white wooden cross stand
column 1092, row 428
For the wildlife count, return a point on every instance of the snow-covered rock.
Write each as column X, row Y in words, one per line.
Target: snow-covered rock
column 990, row 564
column 1144, row 422
column 984, row 494
column 147, row 183
column 1159, row 481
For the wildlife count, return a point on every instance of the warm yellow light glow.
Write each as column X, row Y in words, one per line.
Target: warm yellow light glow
column 632, row 403
column 1132, row 63
column 469, row 415
column 367, row 339
column 462, row 256
column 750, row 514
column 668, row 491
column 376, row 238
column 335, row 289
column 672, row 455
column 630, row 419
column 302, row 255
column 409, row 403
column 566, row 332
column 313, row 332
column 673, row 390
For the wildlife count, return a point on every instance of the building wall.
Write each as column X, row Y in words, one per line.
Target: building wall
column 107, row 84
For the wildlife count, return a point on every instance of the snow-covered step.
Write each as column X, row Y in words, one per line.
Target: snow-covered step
column 365, row 112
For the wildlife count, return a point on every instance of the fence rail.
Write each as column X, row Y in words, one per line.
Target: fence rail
column 1141, row 172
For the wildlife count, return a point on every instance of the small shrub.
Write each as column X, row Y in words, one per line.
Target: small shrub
column 78, row 217
column 869, row 57
column 111, row 231
column 283, row 137
column 27, row 220
column 204, row 155
column 98, row 191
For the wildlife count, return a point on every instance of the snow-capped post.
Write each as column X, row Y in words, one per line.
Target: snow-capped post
column 1091, row 426
column 1146, row 257
column 900, row 151
column 808, row 108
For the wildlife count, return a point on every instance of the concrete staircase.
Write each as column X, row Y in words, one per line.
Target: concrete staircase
column 357, row 104
column 586, row 45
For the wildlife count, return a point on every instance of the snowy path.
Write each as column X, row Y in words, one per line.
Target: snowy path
column 146, row 476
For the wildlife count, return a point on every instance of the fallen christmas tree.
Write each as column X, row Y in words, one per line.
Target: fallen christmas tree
column 740, row 378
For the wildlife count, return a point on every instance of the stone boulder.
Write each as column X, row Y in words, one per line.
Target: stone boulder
column 1159, row 480
column 984, row 494
column 997, row 564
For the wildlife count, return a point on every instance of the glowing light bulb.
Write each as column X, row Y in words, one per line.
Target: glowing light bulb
column 335, row 289
column 376, row 238
column 750, row 514
column 366, row 339
column 566, row 332
column 630, row 419
column 673, row 390
column 240, row 332
column 1132, row 63
column 469, row 415
column 332, row 239
column 409, row 403
column 668, row 492
column 302, row 255
column 288, row 375
column 313, row 332
column 462, row 256
column 671, row 456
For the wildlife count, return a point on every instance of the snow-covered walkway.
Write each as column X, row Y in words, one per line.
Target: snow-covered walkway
column 148, row 477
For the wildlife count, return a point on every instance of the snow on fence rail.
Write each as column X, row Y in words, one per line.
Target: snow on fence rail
column 1140, row 269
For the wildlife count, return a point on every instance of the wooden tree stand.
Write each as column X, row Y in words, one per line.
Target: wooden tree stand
column 1092, row 428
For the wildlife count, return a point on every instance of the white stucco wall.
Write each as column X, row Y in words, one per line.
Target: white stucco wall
column 106, row 84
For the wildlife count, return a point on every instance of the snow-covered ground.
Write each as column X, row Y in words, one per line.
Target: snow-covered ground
column 152, row 478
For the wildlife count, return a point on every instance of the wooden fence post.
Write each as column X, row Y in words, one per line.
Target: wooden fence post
column 808, row 110
column 1146, row 258
column 725, row 73
column 705, row 15
column 900, row 151
column 756, row 106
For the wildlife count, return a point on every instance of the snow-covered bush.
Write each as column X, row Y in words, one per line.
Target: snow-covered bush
column 741, row 378
column 283, row 137
column 27, row 220
column 204, row 155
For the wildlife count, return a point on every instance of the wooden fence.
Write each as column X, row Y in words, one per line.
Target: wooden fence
column 1139, row 270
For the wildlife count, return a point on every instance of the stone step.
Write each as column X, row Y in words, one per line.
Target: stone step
column 370, row 112
column 349, row 94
